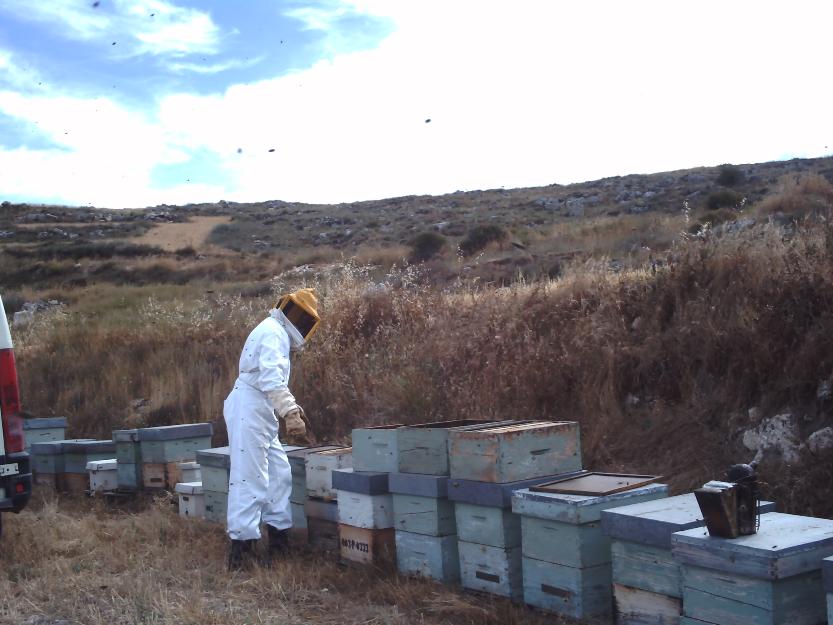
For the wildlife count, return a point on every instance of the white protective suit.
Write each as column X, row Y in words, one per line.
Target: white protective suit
column 260, row 480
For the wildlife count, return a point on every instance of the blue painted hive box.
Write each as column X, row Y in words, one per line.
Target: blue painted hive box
column 420, row 504
column 174, row 443
column 48, row 457
column 375, row 448
column 78, row 453
column 773, row 577
column 566, row 557
column 827, row 574
column 647, row 581
column 43, row 430
column 423, row 448
column 128, row 448
column 428, row 556
column 514, row 451
column 215, row 465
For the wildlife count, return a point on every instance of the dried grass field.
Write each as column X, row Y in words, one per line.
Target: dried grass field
column 86, row 562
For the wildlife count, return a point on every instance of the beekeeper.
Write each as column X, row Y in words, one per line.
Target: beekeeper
column 260, row 480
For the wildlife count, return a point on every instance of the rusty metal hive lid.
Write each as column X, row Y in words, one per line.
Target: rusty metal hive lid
column 596, row 484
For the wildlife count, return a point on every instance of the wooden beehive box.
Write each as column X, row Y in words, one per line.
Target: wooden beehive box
column 129, row 476
column 103, row 475
column 647, row 580
column 423, row 448
column 485, row 525
column 44, row 430
column 375, row 547
column 48, row 457
column 363, row 499
column 494, row 570
column 299, row 516
column 515, row 451
column 320, row 509
column 566, row 557
column 191, row 500
column 128, row 448
column 319, row 471
column 323, row 534
column 174, row 443
column 215, row 466
column 827, row 575
column 216, row 506
column 772, row 577
column 78, row 453
column 375, row 448
column 420, row 504
column 436, row 557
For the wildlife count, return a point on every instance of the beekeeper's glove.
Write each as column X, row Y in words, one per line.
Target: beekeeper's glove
column 294, row 421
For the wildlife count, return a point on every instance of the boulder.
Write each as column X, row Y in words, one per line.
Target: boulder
column 820, row 441
column 779, row 434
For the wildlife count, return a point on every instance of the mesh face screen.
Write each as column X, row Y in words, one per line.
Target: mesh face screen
column 299, row 317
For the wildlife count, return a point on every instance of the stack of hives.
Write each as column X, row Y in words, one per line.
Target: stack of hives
column 48, row 462
column 321, row 505
column 215, row 466
column 488, row 464
column 163, row 449
column 773, row 577
column 566, row 557
column 647, row 581
column 44, row 430
column 365, row 505
column 426, row 532
column 77, row 455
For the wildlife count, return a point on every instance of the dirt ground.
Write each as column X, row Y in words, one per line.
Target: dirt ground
column 92, row 562
column 174, row 236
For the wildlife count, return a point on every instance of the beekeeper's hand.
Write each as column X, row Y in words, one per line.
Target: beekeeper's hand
column 294, row 422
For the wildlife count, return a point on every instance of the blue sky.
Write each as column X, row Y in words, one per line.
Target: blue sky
column 126, row 103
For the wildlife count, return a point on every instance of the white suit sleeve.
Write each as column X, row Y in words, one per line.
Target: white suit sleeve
column 274, row 371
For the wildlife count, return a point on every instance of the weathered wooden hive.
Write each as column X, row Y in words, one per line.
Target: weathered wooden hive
column 163, row 448
column 423, row 448
column 773, row 577
column 129, row 457
column 48, row 462
column 45, row 430
column 215, row 466
column 77, row 454
column 566, row 557
column 426, row 532
column 647, row 581
column 376, row 449
column 365, row 517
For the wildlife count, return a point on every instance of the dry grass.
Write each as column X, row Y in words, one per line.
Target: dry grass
column 173, row 236
column 102, row 565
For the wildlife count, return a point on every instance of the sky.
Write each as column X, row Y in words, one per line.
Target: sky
column 133, row 103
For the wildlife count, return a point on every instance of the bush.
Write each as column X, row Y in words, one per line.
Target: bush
column 426, row 245
column 729, row 175
column 723, row 199
column 480, row 236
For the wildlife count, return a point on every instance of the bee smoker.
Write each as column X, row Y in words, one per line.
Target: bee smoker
column 730, row 508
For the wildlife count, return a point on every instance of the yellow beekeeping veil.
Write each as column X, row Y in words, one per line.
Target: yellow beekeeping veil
column 300, row 308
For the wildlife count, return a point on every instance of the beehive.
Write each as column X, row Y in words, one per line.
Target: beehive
column 44, row 430
column 323, row 510
column 216, row 506
column 566, row 557
column 423, row 448
column 375, row 448
column 514, row 451
column 367, row 546
column 78, row 453
column 420, row 504
column 363, row 499
column 495, row 570
column 436, row 557
column 297, row 464
column 103, row 475
column 191, row 500
column 319, row 471
column 647, row 582
column 827, row 575
column 48, row 457
column 215, row 465
column 190, row 472
column 773, row 577
column 174, row 443
column 129, row 457
column 323, row 534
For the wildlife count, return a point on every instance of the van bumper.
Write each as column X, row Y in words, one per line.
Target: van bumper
column 17, row 488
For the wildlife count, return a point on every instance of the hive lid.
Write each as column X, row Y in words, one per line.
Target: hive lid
column 53, row 448
column 189, row 488
column 188, row 466
column 653, row 522
column 494, row 494
column 126, row 436
column 44, row 423
column 595, row 484
column 102, row 465
column 215, row 457
column 175, row 432
column 367, row 482
column 785, row 545
column 88, row 447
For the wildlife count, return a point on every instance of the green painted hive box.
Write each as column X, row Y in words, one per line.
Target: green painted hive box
column 375, row 448
column 128, row 448
column 493, row 570
column 216, row 506
column 436, row 557
column 174, row 443
column 215, row 466
column 514, row 451
column 48, row 457
column 43, row 430
column 773, row 577
column 78, row 453
column 423, row 448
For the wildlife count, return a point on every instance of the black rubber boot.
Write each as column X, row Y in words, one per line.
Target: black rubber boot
column 241, row 554
column 278, row 542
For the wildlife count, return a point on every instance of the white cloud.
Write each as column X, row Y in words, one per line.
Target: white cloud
column 214, row 68
column 519, row 94
column 154, row 27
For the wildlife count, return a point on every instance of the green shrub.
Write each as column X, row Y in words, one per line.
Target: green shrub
column 480, row 236
column 426, row 245
column 724, row 198
column 729, row 175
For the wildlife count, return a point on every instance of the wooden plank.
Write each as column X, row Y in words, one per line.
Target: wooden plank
column 578, row 593
column 424, row 515
column 579, row 546
column 634, row 606
column 436, row 557
column 368, row 546
column 646, row 567
column 491, row 569
column 497, row 527
column 785, row 545
column 365, row 511
column 653, row 522
column 375, row 449
column 579, row 509
column 514, row 452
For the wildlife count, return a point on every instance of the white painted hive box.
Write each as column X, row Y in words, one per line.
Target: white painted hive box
column 320, row 467
column 191, row 500
column 103, row 475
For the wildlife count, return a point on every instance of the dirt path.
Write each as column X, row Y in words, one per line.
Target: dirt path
column 174, row 236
